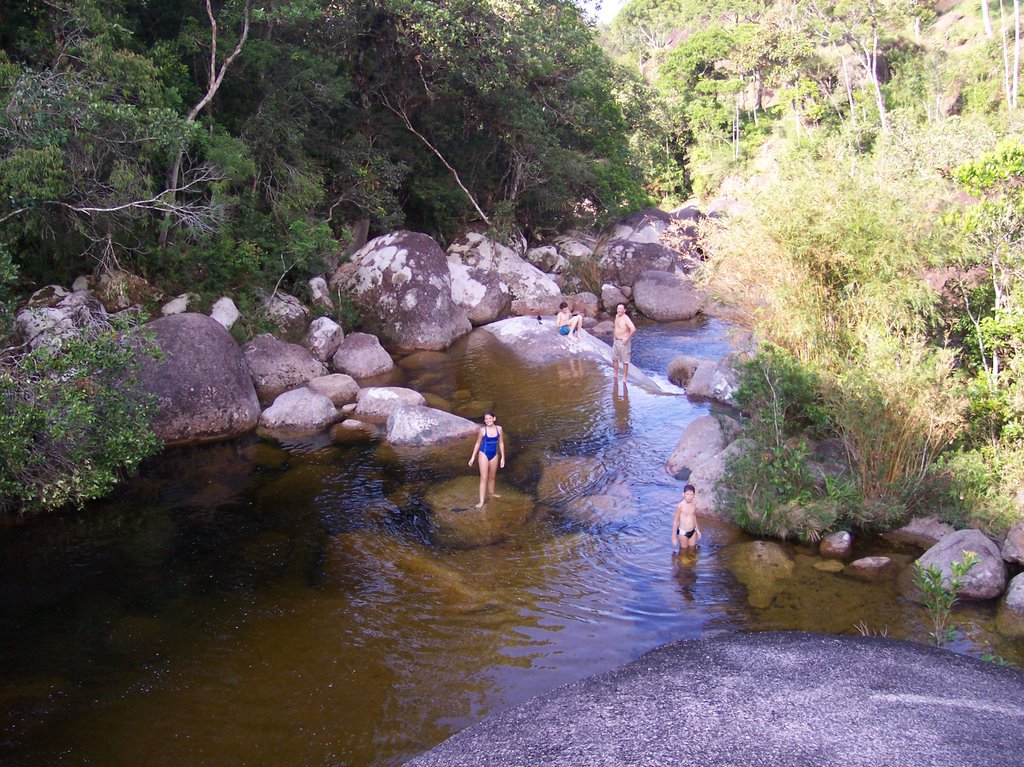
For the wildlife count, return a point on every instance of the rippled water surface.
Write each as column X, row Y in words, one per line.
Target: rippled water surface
column 255, row 603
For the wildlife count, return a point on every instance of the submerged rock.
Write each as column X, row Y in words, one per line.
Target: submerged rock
column 872, row 569
column 564, row 478
column 760, row 566
column 458, row 524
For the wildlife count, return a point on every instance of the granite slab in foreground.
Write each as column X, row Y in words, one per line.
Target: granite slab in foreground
column 773, row 699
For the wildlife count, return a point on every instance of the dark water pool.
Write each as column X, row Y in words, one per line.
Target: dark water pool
column 256, row 603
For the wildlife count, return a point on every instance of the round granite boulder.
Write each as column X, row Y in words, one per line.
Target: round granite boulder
column 202, row 384
column 401, row 283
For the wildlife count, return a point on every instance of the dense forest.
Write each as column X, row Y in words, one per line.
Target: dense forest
column 873, row 145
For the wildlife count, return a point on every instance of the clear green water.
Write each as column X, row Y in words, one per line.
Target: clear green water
column 254, row 603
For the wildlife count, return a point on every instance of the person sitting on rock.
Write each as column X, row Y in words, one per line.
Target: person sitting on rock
column 568, row 323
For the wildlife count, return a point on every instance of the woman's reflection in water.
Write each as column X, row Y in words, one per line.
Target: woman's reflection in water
column 621, row 406
column 684, row 568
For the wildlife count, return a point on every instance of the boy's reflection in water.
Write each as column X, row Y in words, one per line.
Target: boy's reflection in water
column 684, row 568
column 621, row 406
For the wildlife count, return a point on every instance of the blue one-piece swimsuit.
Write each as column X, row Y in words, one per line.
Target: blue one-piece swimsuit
column 489, row 445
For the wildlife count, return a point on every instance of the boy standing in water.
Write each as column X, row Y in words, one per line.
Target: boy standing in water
column 685, row 532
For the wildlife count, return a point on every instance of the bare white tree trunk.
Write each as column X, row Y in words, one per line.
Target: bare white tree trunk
column 986, row 19
column 216, row 78
column 1006, row 57
column 1016, row 51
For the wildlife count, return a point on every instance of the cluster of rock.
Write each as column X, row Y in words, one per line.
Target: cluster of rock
column 413, row 295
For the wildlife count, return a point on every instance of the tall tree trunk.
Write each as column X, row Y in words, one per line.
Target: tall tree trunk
column 986, row 18
column 1006, row 57
column 216, row 77
column 1016, row 50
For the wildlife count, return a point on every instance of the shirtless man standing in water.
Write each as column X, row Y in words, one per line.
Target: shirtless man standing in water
column 624, row 330
column 685, row 531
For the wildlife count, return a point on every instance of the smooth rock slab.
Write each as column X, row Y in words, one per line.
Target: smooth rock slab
column 781, row 699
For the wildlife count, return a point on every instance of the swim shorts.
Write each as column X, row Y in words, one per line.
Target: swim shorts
column 621, row 350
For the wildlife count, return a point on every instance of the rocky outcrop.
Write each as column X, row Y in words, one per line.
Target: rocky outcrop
column 526, row 283
column 52, row 315
column 986, row 580
column 701, row 455
column 418, row 425
column 401, row 283
column 203, row 387
column 480, row 294
column 277, row 366
column 1013, row 545
column 714, row 381
column 623, row 261
column 360, row 355
column 785, row 699
column 666, row 296
column 539, row 343
column 299, row 411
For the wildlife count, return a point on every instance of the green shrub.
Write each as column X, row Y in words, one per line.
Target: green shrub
column 940, row 594
column 74, row 419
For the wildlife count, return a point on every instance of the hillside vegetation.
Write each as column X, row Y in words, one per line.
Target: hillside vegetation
column 877, row 252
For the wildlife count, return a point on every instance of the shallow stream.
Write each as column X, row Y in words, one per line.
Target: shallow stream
column 255, row 603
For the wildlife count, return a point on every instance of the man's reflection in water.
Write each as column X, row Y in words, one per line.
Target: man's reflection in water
column 621, row 406
column 684, row 568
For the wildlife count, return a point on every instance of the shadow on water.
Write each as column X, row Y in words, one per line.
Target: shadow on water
column 267, row 603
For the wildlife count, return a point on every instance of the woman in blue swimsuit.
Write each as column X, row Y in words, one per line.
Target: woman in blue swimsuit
column 490, row 445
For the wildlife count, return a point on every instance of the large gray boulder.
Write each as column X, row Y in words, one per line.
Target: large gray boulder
column 360, row 355
column 52, row 315
column 299, row 411
column 702, row 439
column 986, row 580
column 642, row 226
column 418, row 425
column 479, row 293
column 401, row 283
column 1013, row 545
column 666, row 296
column 277, row 366
column 623, row 261
column 202, row 384
column 379, row 402
column 716, row 381
column 783, row 699
column 525, row 281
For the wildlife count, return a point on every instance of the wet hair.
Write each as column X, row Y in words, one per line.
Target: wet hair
column 690, row 487
column 488, row 413
column 563, row 305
